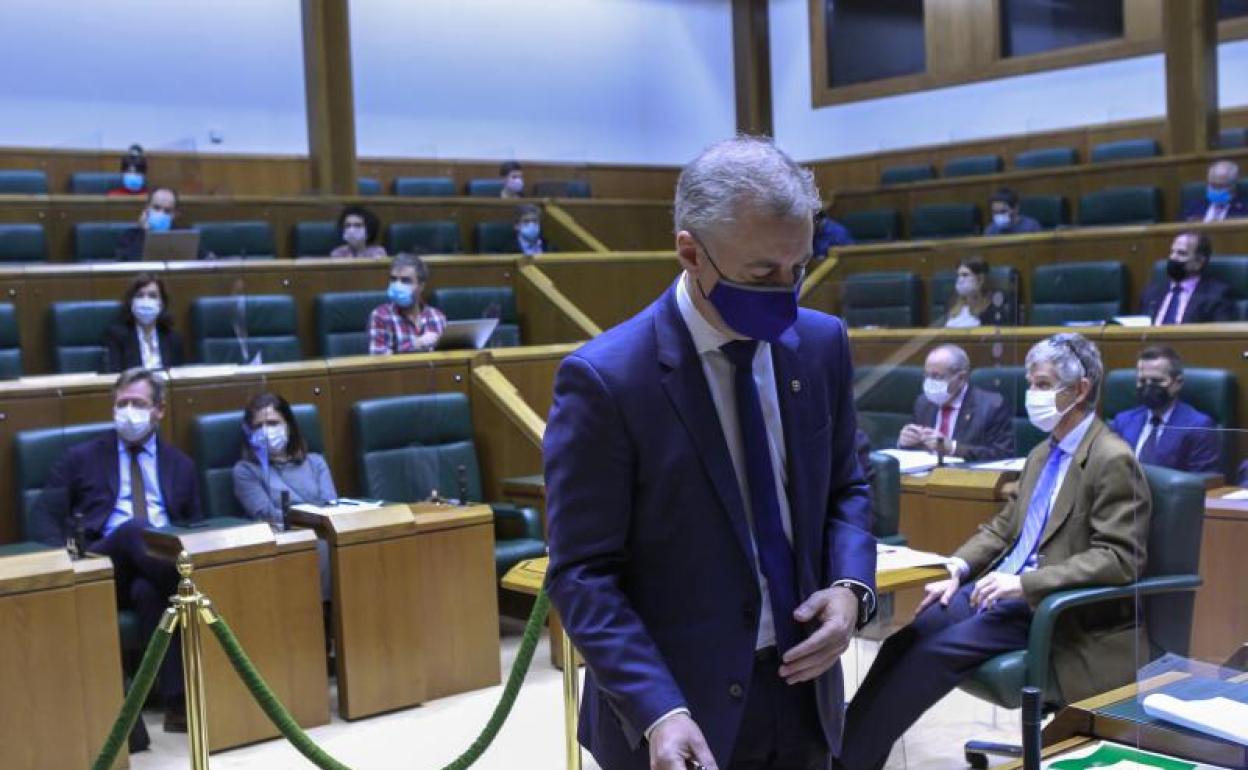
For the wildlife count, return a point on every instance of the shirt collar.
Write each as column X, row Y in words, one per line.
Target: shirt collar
column 1072, row 440
column 705, row 337
column 1188, row 285
column 1165, row 416
column 149, row 446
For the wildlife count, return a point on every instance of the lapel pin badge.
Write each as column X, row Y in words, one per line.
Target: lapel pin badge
column 796, row 386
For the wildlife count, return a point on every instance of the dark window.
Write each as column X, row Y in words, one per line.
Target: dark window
column 873, row 40
column 1229, row 9
column 1036, row 26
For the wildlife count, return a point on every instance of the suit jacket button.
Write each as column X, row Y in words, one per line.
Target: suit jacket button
column 735, row 690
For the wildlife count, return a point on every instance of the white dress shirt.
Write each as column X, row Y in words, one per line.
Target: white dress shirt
column 149, row 348
column 123, row 509
column 1148, row 426
column 1216, row 212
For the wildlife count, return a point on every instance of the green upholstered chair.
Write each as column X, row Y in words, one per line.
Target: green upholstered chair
column 367, row 185
column 76, row 330
column 1121, row 206
column 23, row 242
column 1231, row 138
column 20, row 181
column 565, row 188
column 425, row 186
column 216, row 441
column 1011, row 383
column 1048, row 157
column 97, row 241
column 441, row 237
column 1051, row 211
column 872, row 226
column 250, row 239
column 940, row 290
column 10, row 343
column 1077, row 292
column 1165, row 591
column 342, row 321
column 886, row 498
column 915, row 172
column 469, row 302
column 268, row 321
column 494, row 237
column 944, row 220
column 409, row 446
column 316, row 239
column 94, row 182
column 1212, row 391
column 34, row 454
column 1125, row 149
column 885, row 397
column 881, row 299
column 972, row 165
column 485, row 188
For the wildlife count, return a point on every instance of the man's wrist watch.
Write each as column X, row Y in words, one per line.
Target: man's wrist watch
column 866, row 606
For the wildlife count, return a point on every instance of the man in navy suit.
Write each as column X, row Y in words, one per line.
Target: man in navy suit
column 953, row 417
column 108, row 490
column 710, row 546
column 1187, row 295
column 1162, row 429
column 1221, row 200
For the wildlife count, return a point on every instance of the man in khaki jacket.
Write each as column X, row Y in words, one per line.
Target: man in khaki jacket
column 1081, row 519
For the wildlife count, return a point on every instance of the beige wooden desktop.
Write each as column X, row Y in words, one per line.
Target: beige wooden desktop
column 1220, row 625
column 267, row 588
column 60, row 660
column 415, row 607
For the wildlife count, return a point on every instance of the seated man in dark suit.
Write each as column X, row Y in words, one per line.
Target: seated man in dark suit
column 1221, row 200
column 1081, row 518
column 160, row 215
column 1162, row 429
column 953, row 417
column 1006, row 218
column 529, row 238
column 1187, row 296
column 106, row 491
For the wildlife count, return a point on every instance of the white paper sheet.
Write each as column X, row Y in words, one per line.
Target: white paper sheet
column 1222, row 717
column 915, row 461
column 888, row 557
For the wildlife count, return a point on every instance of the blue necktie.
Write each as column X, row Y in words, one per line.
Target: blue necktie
column 1025, row 546
column 1149, row 447
column 1172, row 310
column 775, row 555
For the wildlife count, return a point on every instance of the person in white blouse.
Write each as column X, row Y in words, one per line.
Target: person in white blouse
column 143, row 335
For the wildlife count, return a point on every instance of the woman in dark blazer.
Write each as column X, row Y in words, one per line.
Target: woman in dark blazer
column 144, row 335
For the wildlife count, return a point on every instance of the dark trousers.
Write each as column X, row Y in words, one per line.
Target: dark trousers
column 919, row 665
column 144, row 584
column 780, row 728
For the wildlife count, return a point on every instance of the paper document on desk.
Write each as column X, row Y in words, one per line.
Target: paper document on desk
column 1221, row 717
column 889, row 557
column 338, row 506
column 915, row 461
column 1241, row 494
column 1009, row 464
column 1104, row 755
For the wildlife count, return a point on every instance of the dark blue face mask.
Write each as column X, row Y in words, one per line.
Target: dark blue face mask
column 751, row 310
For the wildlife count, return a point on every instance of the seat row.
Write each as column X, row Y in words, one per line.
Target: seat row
column 254, row 239
column 1068, row 293
column 1051, row 157
column 35, row 182
column 265, row 323
column 1135, row 205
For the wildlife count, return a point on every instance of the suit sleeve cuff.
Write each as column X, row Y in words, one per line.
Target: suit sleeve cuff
column 672, row 713
column 959, row 568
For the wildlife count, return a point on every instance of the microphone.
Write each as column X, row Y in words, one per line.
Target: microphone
column 461, row 474
column 1031, row 728
column 285, row 498
column 77, row 545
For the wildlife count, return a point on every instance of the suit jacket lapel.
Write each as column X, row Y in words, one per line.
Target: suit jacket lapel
column 965, row 415
column 798, row 424
column 110, row 459
column 1065, row 501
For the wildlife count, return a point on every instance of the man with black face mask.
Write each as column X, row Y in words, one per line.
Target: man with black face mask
column 1162, row 429
column 1187, row 295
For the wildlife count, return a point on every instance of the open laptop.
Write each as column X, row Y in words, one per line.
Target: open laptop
column 470, row 335
column 171, row 244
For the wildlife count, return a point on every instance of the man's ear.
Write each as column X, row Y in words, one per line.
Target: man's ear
column 687, row 250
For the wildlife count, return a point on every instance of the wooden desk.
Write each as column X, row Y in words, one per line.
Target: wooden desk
column 60, row 659
column 1220, row 625
column 941, row 509
column 268, row 589
column 415, row 608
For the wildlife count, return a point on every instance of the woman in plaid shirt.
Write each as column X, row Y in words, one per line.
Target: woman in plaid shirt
column 405, row 324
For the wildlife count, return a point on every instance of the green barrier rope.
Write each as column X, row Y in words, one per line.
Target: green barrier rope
column 285, row 723
column 142, row 684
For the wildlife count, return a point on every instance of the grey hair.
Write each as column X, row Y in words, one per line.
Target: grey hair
column 738, row 172
column 961, row 361
column 1074, row 357
column 1231, row 167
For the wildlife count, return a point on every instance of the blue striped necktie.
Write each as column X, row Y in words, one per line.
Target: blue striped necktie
column 1022, row 554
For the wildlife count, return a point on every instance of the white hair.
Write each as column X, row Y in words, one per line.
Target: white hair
column 1073, row 356
column 1229, row 166
column 745, row 171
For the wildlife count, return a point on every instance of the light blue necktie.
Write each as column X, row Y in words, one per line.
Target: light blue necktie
column 1023, row 552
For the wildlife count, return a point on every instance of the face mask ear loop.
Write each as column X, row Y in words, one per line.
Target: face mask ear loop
column 707, row 252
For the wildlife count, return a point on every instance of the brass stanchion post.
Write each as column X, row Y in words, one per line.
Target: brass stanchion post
column 571, row 701
column 189, row 603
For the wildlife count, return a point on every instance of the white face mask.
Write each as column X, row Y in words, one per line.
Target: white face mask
column 937, row 391
column 354, row 235
column 515, row 184
column 964, row 285
column 1001, row 220
column 145, row 310
column 132, row 423
column 1042, row 409
column 275, row 438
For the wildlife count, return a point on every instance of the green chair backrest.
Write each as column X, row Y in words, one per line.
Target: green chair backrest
column 1121, row 206
column 872, row 226
column 485, row 188
column 1051, row 211
column 470, row 302
column 10, row 343
column 20, row 181
column 425, row 186
column 408, row 446
column 884, row 396
column 367, row 185
column 76, row 330
column 944, row 220
column 1049, row 157
column 216, row 441
column 885, row 494
column 907, row 173
column 881, row 299
column 342, row 321
column 440, row 237
column 23, row 242
column 94, row 182
column 34, row 454
column 940, row 290
column 316, row 239
column 1173, row 549
column 1230, row 138
column 973, row 165
column 250, row 239
column 495, row 237
column 1126, row 149
column 268, row 319
column 555, row 188
column 1011, row 383
column 97, row 241
column 1077, row 292
column 1230, row 269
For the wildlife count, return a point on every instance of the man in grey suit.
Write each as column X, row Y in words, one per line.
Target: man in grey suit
column 956, row 418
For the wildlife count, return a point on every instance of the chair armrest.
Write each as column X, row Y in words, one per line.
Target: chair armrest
column 1040, row 637
column 513, row 521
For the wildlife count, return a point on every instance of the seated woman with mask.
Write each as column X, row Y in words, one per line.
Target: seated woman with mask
column 975, row 302
column 358, row 227
column 144, row 335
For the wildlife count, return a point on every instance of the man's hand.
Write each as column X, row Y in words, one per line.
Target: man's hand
column 996, row 587
column 675, row 740
column 836, row 609
column 941, row 590
column 428, row 340
column 911, row 436
column 935, row 441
